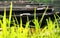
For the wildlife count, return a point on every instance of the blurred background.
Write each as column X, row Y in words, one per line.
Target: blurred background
column 54, row 3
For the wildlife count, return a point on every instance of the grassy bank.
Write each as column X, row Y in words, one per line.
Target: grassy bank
column 51, row 30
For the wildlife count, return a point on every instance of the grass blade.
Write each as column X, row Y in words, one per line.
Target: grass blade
column 10, row 15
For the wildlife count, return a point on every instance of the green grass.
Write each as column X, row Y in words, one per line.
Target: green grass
column 51, row 30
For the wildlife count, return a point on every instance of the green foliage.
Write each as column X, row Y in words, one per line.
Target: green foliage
column 52, row 30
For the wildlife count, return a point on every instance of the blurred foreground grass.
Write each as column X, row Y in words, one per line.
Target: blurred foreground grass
column 51, row 30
